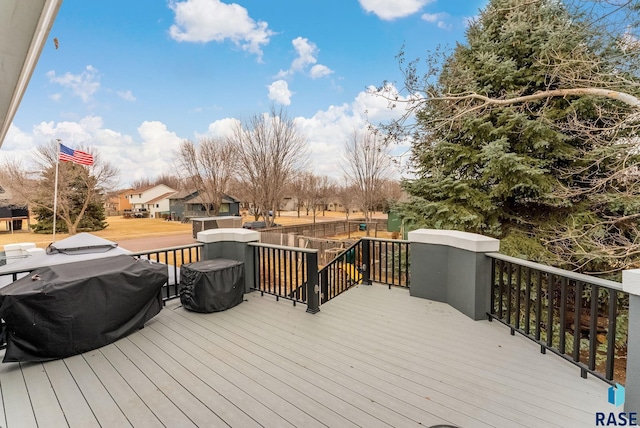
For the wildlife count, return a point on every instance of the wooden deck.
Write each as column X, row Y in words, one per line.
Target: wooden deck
column 372, row 357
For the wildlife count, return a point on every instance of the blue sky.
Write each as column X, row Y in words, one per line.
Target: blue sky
column 132, row 79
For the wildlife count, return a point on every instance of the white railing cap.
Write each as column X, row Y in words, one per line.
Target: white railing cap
column 454, row 238
column 631, row 281
column 228, row 235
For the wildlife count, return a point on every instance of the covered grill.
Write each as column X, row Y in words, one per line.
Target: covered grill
column 67, row 309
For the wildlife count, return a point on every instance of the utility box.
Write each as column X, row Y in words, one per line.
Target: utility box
column 206, row 223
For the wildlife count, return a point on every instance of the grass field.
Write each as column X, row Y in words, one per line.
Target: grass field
column 131, row 228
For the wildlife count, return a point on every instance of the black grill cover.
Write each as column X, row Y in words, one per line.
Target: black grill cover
column 73, row 308
column 211, row 285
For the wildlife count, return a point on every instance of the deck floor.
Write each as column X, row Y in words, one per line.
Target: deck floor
column 372, row 357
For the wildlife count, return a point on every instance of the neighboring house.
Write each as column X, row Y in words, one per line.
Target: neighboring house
column 159, row 206
column 192, row 204
column 335, row 204
column 177, row 203
column 288, row 203
column 11, row 213
column 150, row 199
column 118, row 201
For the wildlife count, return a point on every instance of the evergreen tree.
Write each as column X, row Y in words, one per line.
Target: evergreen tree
column 555, row 177
column 75, row 190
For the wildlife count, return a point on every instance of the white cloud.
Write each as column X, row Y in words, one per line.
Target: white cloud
column 147, row 155
column 433, row 17
column 152, row 151
column 319, row 70
column 390, row 10
column 212, row 20
column 220, row 128
column 440, row 19
column 126, row 95
column 279, row 92
column 307, row 52
column 307, row 55
column 55, row 97
column 83, row 85
column 328, row 131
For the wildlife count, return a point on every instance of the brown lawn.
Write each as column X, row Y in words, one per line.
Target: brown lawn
column 120, row 228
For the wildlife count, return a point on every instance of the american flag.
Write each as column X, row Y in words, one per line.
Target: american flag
column 76, row 156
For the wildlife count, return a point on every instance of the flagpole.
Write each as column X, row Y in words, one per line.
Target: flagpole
column 55, row 192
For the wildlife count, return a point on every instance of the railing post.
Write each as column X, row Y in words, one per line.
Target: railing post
column 366, row 261
column 231, row 243
column 631, row 285
column 450, row 266
column 313, row 290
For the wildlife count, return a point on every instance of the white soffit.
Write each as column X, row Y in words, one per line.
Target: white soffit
column 24, row 28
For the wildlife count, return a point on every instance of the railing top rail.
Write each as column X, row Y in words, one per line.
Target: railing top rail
column 401, row 241
column 283, row 247
column 16, row 271
column 161, row 250
column 557, row 271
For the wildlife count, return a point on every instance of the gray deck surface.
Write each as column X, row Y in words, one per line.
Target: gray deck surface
column 372, row 357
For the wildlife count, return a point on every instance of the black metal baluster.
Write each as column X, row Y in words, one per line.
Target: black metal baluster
column 592, row 326
column 527, row 303
column 550, row 300
column 611, row 333
column 563, row 309
column 518, row 286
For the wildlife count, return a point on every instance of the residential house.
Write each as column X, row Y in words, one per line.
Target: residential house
column 288, row 203
column 177, row 203
column 118, row 201
column 336, row 205
column 11, row 213
column 191, row 203
column 152, row 199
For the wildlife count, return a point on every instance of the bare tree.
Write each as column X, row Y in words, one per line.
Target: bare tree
column 390, row 193
column 209, row 166
column 316, row 190
column 327, row 189
column 272, row 150
column 297, row 190
column 78, row 186
column 367, row 164
column 346, row 196
column 173, row 181
column 141, row 183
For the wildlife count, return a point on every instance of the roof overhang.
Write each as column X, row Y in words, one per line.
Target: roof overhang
column 24, row 28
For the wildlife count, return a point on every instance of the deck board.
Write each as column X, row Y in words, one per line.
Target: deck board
column 127, row 399
column 343, row 379
column 77, row 412
column 104, row 408
column 276, row 410
column 282, row 381
column 15, row 397
column 45, row 404
column 372, row 357
column 327, row 391
column 206, row 406
column 209, row 376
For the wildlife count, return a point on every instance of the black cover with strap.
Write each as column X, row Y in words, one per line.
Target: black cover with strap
column 67, row 309
column 211, row 285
